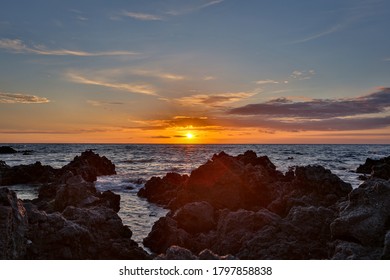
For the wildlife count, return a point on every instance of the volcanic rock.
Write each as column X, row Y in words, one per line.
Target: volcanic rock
column 13, row 226
column 365, row 220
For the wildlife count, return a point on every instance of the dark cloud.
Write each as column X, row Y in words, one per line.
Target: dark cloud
column 319, row 108
column 160, row 137
column 333, row 124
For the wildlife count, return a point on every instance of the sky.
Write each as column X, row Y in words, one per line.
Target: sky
column 195, row 71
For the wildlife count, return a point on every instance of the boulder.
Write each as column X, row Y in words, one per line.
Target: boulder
column 163, row 190
column 378, row 168
column 235, row 228
column 13, row 226
column 349, row 250
column 195, row 217
column 80, row 233
column 176, row 253
column 166, row 233
column 76, row 192
column 7, row 150
column 90, row 165
column 303, row 234
column 365, row 219
column 24, row 174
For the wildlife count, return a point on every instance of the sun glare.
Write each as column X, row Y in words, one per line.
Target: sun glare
column 189, row 135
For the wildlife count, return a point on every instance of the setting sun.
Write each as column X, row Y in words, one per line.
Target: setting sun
column 189, row 135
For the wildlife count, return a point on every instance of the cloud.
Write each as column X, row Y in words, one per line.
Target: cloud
column 365, row 112
column 213, row 99
column 302, row 75
column 192, row 9
column 132, row 88
column 332, row 124
column 158, row 74
column 319, row 108
column 17, row 46
column 265, row 82
column 176, row 122
column 141, row 16
column 160, row 137
column 328, row 31
column 210, row 3
column 13, row 98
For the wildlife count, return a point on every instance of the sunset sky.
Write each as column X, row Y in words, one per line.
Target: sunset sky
column 195, row 71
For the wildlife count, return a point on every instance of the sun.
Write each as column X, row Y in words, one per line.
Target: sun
column 189, row 135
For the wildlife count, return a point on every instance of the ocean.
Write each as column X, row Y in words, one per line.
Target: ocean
column 135, row 164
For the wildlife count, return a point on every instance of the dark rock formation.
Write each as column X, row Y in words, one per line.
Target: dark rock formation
column 89, row 165
column 7, row 150
column 379, row 168
column 195, row 217
column 178, row 253
column 225, row 181
column 70, row 219
column 24, row 174
column 243, row 206
column 163, row 190
column 364, row 221
column 13, row 226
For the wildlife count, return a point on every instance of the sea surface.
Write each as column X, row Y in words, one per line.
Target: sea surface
column 137, row 163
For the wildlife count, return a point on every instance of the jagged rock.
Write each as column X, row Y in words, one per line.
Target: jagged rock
column 80, row 233
column 176, row 253
column 76, row 193
column 236, row 228
column 163, row 190
column 7, row 150
column 195, row 217
column 23, row 174
column 303, row 234
column 209, row 255
column 13, row 226
column 378, row 168
column 365, row 219
column 90, row 165
column 381, row 171
column 110, row 200
column 348, row 250
column 166, row 233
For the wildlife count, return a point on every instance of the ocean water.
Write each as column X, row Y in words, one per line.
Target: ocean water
column 137, row 163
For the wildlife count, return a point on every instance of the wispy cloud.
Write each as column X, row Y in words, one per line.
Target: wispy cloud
column 141, row 16
column 13, row 98
column 213, row 99
column 18, row 46
column 158, row 74
column 328, row 31
column 128, row 87
column 210, row 3
column 266, row 82
column 302, row 74
column 176, row 122
column 177, row 11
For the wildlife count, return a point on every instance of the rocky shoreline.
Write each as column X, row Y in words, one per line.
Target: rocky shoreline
column 70, row 219
column 237, row 207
